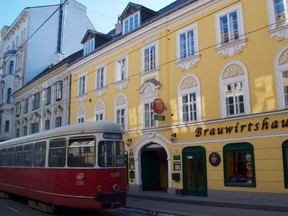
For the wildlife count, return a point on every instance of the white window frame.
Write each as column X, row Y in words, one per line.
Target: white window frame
column 82, row 85
column 123, row 106
column 195, row 88
column 89, row 46
column 127, row 23
column 121, row 73
column 245, row 86
column 151, row 114
column 81, row 117
column 234, row 46
column 280, row 68
column 100, row 89
column 155, row 59
column 278, row 29
column 98, row 112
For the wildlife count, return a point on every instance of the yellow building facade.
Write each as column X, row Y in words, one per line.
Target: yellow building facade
column 200, row 89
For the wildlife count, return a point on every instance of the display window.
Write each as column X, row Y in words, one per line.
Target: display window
column 239, row 166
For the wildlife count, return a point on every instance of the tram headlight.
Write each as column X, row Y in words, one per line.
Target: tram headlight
column 99, row 189
column 116, row 188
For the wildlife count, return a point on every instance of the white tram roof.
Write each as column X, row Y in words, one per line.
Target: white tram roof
column 67, row 130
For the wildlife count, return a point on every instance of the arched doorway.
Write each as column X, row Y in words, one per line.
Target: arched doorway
column 154, row 168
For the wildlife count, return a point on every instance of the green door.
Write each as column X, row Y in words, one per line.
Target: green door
column 194, row 171
column 150, row 169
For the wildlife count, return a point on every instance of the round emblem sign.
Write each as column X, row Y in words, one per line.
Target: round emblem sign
column 214, row 159
column 158, row 106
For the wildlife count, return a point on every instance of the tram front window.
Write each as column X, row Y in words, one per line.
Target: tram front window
column 111, row 154
column 81, row 152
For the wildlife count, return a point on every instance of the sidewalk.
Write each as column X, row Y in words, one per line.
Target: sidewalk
column 231, row 202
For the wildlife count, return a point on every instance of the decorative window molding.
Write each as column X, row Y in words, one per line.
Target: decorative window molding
column 278, row 19
column 99, row 111
column 82, row 87
column 230, row 35
column 188, row 47
column 281, row 73
column 234, row 90
column 189, row 97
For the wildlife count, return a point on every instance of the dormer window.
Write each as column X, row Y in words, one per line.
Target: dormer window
column 131, row 23
column 89, row 46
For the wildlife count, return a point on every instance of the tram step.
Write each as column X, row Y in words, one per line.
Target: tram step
column 41, row 206
column 4, row 195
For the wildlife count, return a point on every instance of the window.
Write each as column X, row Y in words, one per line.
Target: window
column 230, row 35
column 36, row 101
column 18, row 109
column 47, row 124
column 48, row 95
column 34, row 127
column 100, row 78
column 235, row 98
column 89, row 46
column 121, row 69
column 229, row 27
column 81, row 152
column 17, row 132
column 280, row 11
column 10, row 156
column 59, row 90
column 150, row 58
column 149, row 120
column 57, row 153
column 39, row 154
column 28, row 155
column 25, row 130
column 58, row 122
column 239, row 166
column 18, row 156
column 120, row 117
column 11, row 67
column 120, row 109
column 281, row 73
column 26, row 105
column 3, row 155
column 9, row 95
column 131, row 23
column 99, row 111
column 7, row 126
column 81, row 115
column 187, row 41
column 82, row 85
column 111, row 154
column 189, row 96
column 285, row 162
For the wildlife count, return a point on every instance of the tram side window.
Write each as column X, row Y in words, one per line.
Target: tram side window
column 18, row 156
column 10, row 156
column 81, row 152
column 39, row 154
column 111, row 154
column 3, row 155
column 28, row 155
column 57, row 153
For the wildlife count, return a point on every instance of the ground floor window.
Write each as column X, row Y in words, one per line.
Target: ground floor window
column 285, row 161
column 239, row 166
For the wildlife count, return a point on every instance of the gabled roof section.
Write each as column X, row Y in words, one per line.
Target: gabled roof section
column 95, row 34
column 132, row 8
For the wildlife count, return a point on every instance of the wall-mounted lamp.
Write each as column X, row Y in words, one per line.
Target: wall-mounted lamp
column 129, row 142
column 173, row 137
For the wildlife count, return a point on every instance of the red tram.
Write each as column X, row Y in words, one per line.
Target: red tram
column 81, row 166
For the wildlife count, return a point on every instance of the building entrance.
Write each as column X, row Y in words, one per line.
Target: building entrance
column 154, row 168
column 194, row 171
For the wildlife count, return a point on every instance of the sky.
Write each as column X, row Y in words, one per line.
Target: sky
column 102, row 13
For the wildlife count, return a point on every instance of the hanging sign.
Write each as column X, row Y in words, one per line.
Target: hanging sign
column 158, row 106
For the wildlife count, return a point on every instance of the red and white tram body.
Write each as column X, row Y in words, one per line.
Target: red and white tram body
column 81, row 165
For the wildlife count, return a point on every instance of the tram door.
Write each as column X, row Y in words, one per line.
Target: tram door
column 154, row 168
column 194, row 171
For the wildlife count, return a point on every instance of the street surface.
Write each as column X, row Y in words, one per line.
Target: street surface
column 135, row 207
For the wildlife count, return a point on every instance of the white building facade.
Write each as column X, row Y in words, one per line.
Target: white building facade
column 38, row 38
